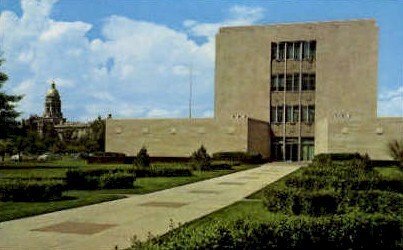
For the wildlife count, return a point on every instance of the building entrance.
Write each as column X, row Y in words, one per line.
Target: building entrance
column 288, row 149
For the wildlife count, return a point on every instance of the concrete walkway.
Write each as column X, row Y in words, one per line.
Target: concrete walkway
column 110, row 224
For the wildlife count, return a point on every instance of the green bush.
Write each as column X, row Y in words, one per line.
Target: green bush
column 142, row 158
column 116, row 180
column 200, row 159
column 350, row 231
column 30, row 190
column 162, row 172
column 91, row 179
column 244, row 157
column 322, row 159
column 374, row 201
column 296, row 201
column 395, row 148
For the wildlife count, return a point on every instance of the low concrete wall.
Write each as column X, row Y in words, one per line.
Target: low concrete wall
column 174, row 137
column 369, row 136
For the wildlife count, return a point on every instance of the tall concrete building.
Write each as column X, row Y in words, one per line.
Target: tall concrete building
column 286, row 91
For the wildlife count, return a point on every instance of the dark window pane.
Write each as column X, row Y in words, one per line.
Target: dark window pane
column 295, row 116
column 280, row 82
column 296, row 82
column 312, row 50
column 281, row 51
column 312, row 80
column 304, row 115
column 290, row 51
column 305, row 50
column 280, row 111
column 273, row 51
column 273, row 114
column 311, row 114
column 289, row 83
column 288, row 114
column 274, row 83
column 297, row 50
column 305, row 82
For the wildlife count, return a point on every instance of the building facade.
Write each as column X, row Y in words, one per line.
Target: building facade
column 286, row 91
column 53, row 120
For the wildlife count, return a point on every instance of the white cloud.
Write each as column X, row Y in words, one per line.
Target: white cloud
column 391, row 103
column 137, row 68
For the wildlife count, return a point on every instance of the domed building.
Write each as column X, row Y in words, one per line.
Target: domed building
column 53, row 104
column 53, row 120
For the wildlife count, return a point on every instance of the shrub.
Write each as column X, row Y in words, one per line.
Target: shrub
column 142, row 158
column 117, row 180
column 350, row 231
column 322, row 159
column 162, row 172
column 30, row 190
column 374, row 201
column 295, row 201
column 200, row 159
column 395, row 148
column 90, row 179
column 245, row 157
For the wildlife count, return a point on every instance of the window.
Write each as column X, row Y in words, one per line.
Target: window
column 309, row 50
column 304, row 114
column 295, row 115
column 311, row 114
column 288, row 117
column 297, row 51
column 290, row 50
column 312, row 50
column 280, row 82
column 289, row 83
column 273, row 114
column 274, row 82
column 308, row 81
column 296, row 82
column 274, row 54
column 281, row 51
column 305, row 50
column 280, row 112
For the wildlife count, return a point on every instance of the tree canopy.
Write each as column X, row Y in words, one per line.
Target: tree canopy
column 8, row 114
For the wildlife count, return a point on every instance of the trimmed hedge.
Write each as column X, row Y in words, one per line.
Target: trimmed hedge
column 162, row 172
column 326, row 157
column 296, row 201
column 91, row 179
column 243, row 157
column 325, row 202
column 116, row 180
column 31, row 190
column 350, row 231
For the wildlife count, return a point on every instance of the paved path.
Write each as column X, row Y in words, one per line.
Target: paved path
column 105, row 225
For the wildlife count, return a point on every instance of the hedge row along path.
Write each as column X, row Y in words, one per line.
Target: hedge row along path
column 110, row 224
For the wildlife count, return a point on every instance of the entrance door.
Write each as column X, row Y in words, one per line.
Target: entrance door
column 307, row 149
column 291, row 149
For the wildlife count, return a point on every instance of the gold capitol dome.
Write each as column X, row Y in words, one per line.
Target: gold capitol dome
column 52, row 92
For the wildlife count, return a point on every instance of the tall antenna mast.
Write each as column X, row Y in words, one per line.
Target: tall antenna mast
column 190, row 89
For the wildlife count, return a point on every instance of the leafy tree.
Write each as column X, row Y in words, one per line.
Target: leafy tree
column 396, row 151
column 97, row 135
column 5, row 146
column 8, row 114
column 200, row 159
column 142, row 158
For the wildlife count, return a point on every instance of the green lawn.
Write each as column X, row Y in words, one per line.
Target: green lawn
column 391, row 172
column 14, row 210
column 57, row 169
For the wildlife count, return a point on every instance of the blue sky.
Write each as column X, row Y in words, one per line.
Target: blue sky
column 131, row 58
